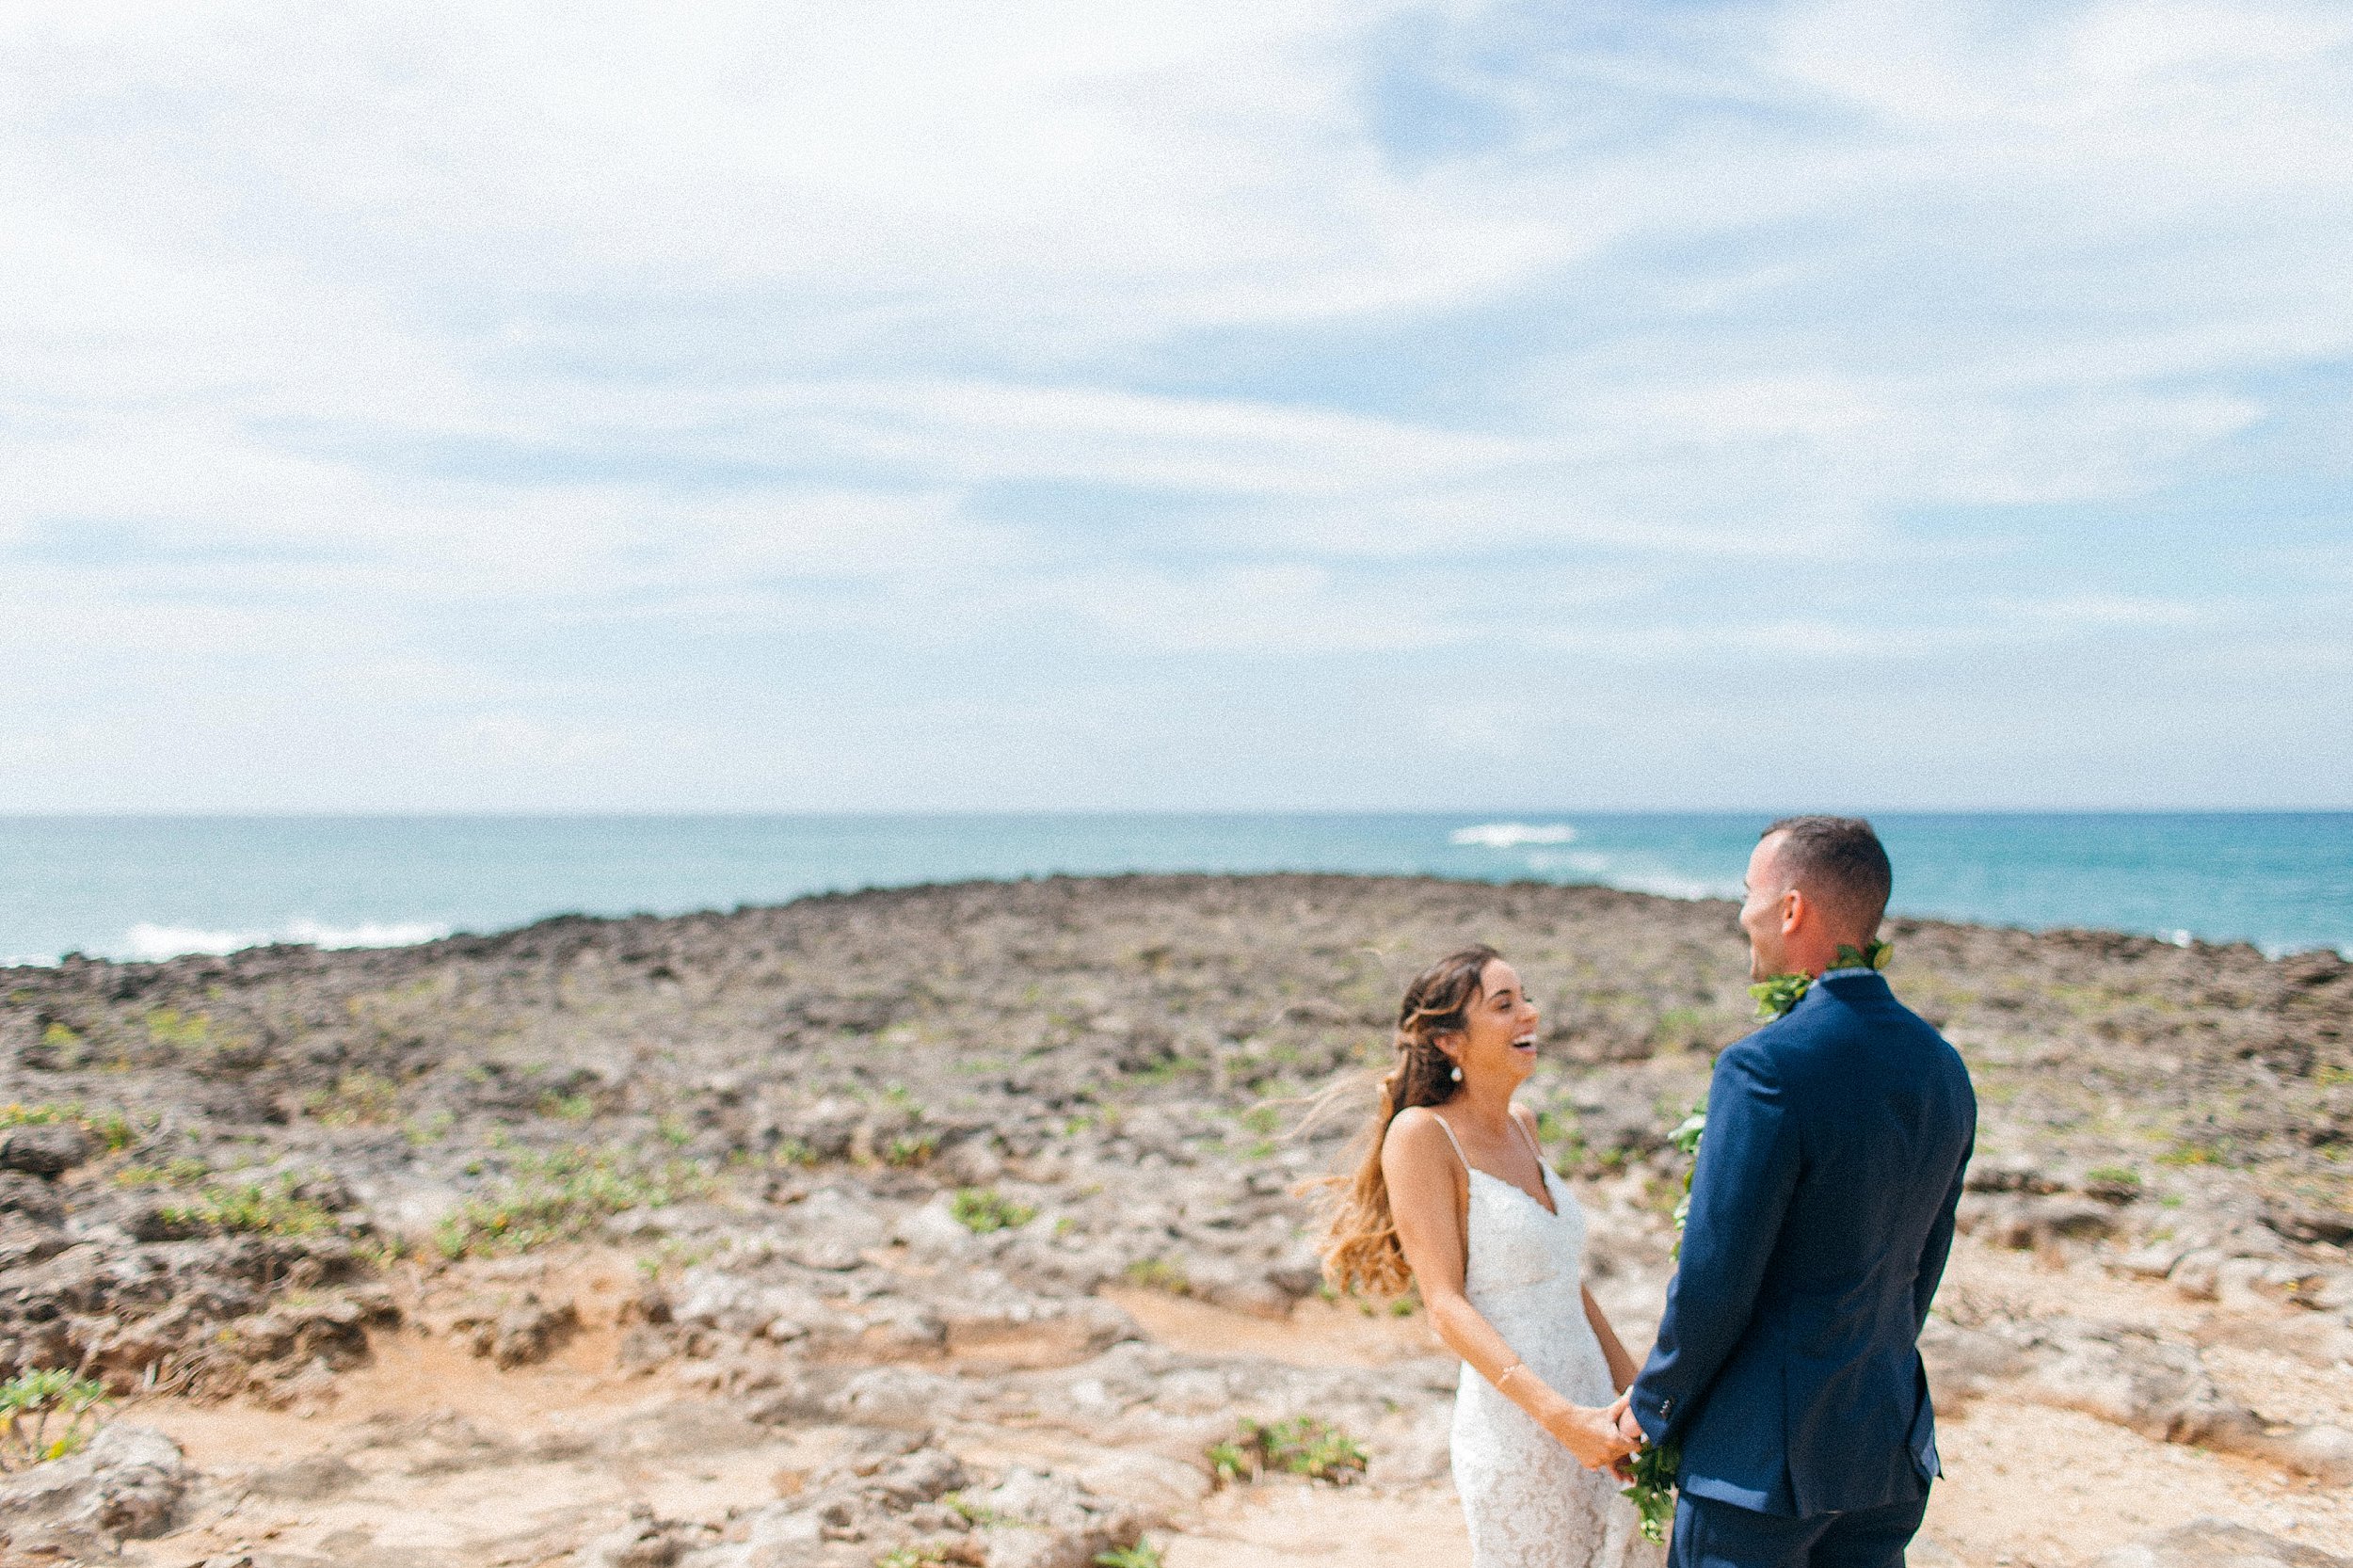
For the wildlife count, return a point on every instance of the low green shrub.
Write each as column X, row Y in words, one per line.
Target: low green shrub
column 1158, row 1273
column 183, row 1171
column 1301, row 1446
column 1142, row 1555
column 358, row 1099
column 983, row 1209
column 111, row 1129
column 911, row 1150
column 250, row 1209
column 566, row 1108
column 47, row 1413
column 561, row 1196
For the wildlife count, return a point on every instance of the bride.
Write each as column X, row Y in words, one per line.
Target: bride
column 1454, row 1197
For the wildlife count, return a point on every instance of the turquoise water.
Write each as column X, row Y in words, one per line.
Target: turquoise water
column 146, row 888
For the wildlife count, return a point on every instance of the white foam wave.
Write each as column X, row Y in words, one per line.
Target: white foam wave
column 1512, row 835
column 369, row 934
column 1592, row 867
column 150, row 943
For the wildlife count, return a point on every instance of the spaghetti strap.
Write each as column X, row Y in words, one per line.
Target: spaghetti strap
column 1533, row 1147
column 1450, row 1138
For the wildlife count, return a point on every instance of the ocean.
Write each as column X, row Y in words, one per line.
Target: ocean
column 153, row 887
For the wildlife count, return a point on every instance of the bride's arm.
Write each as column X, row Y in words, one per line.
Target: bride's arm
column 1426, row 1199
column 1622, row 1368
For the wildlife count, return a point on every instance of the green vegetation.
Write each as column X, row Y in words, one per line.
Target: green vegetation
column 112, row 1128
column 428, row 1129
column 358, row 1099
column 1564, row 1131
column 47, row 1413
column 184, row 1171
column 1680, row 1029
column 168, row 1026
column 1158, row 1273
column 1302, row 1445
column 566, row 1108
column 1230, row 1464
column 910, row 1148
column 972, row 1513
column 983, row 1209
column 252, row 1208
column 1142, row 1555
column 560, row 1195
column 1168, row 1069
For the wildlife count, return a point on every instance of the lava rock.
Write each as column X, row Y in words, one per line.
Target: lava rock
column 524, row 1335
column 128, row 1484
column 43, row 1149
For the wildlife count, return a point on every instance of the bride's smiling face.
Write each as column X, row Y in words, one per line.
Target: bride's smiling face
column 1498, row 1038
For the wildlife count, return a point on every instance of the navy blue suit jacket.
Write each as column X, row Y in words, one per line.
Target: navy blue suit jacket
column 1787, row 1368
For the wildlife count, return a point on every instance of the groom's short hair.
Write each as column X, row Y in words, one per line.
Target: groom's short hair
column 1840, row 861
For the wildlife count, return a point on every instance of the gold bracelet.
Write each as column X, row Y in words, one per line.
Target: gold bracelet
column 1515, row 1367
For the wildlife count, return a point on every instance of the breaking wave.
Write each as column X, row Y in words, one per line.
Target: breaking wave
column 1611, row 872
column 150, row 943
column 1512, row 835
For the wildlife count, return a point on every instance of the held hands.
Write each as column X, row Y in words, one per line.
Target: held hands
column 1591, row 1436
column 1629, row 1432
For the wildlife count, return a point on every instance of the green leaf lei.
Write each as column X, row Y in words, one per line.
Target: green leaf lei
column 1653, row 1467
column 1776, row 994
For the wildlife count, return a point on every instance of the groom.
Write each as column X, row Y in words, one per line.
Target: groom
column 1787, row 1371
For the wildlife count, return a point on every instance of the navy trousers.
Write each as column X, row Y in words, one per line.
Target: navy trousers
column 1709, row 1534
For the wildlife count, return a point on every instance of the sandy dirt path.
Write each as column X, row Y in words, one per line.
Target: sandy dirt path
column 450, row 1457
column 2026, row 1486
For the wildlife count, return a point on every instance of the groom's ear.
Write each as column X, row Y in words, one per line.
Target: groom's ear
column 1794, row 909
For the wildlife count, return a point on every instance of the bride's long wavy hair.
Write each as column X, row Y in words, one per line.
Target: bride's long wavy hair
column 1360, row 1249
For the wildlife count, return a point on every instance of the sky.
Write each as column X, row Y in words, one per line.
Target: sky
column 1274, row 404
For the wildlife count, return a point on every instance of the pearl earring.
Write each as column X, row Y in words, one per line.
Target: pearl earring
column 1455, row 1073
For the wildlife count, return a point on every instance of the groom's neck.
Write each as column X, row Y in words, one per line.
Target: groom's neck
column 1809, row 953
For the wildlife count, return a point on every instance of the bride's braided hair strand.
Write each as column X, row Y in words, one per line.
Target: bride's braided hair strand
column 1360, row 1250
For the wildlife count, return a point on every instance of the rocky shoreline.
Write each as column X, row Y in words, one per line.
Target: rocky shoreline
column 855, row 1187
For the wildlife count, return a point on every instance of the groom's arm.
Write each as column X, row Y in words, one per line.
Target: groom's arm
column 1939, row 1245
column 1748, row 1166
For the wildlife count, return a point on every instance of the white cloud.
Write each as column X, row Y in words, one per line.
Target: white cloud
column 1290, row 608
column 416, row 358
column 2113, row 610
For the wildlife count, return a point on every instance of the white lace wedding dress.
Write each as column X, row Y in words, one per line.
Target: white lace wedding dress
column 1529, row 1503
